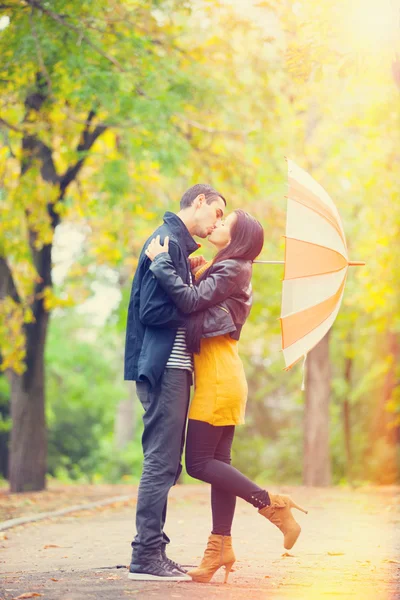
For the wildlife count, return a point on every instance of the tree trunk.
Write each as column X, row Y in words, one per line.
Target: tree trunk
column 381, row 424
column 347, row 420
column 317, row 467
column 28, row 447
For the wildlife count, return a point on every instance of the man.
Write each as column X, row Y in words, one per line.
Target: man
column 156, row 357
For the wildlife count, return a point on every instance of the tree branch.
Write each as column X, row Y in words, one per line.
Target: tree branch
column 87, row 140
column 59, row 19
column 227, row 132
column 7, row 284
column 107, row 124
column 39, row 51
column 8, row 143
column 10, row 126
column 35, row 148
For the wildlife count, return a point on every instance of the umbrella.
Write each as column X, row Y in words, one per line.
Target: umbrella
column 316, row 264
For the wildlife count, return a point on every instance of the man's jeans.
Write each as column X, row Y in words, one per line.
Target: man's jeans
column 166, row 407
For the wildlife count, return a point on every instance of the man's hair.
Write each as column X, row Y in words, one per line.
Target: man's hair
column 200, row 188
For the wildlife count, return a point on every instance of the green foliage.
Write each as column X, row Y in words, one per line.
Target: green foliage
column 270, row 460
column 188, row 93
column 122, row 465
column 5, row 424
column 83, row 389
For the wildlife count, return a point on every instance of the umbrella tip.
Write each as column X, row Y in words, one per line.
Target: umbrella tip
column 356, row 263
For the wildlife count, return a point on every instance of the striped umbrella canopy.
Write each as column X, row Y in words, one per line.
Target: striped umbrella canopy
column 316, row 265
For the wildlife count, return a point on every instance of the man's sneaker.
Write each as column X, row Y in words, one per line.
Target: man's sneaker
column 172, row 563
column 155, row 570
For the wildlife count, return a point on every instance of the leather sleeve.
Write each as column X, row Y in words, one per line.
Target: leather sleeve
column 156, row 308
column 216, row 287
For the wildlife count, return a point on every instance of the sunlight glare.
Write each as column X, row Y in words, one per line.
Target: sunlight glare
column 373, row 25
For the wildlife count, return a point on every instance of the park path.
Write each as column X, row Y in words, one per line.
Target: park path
column 349, row 548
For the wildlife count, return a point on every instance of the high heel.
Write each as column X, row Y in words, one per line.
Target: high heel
column 228, row 568
column 294, row 505
column 280, row 514
column 219, row 553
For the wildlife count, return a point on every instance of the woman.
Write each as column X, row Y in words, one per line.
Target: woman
column 219, row 305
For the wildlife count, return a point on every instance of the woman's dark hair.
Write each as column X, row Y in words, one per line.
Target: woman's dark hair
column 247, row 240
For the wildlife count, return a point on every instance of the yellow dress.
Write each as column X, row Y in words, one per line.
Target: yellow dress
column 220, row 392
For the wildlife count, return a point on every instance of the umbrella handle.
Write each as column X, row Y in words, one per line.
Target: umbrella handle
column 269, row 262
column 352, row 263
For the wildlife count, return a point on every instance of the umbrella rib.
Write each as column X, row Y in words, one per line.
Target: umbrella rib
column 296, row 312
column 317, row 246
column 316, row 275
column 288, row 237
column 295, row 173
column 309, row 350
column 319, row 324
column 314, row 271
column 324, row 212
column 312, row 347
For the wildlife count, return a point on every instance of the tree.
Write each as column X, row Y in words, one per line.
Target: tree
column 317, row 464
column 71, row 72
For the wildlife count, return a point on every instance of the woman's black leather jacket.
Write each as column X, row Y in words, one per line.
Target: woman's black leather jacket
column 224, row 295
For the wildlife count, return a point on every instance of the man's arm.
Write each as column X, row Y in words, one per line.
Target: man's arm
column 215, row 288
column 156, row 309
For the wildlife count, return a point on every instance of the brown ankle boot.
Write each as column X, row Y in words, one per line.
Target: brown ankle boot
column 219, row 553
column 280, row 514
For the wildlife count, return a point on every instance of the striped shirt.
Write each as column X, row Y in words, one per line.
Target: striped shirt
column 180, row 357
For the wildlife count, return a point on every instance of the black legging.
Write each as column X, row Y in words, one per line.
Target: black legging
column 208, row 458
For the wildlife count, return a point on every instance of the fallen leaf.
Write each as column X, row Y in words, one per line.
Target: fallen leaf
column 391, row 560
column 27, row 595
column 267, row 576
column 51, row 546
column 336, row 553
column 363, row 561
column 288, row 554
column 3, row 536
column 53, row 579
column 296, row 584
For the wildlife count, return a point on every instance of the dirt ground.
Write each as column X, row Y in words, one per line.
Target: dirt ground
column 57, row 496
column 349, row 548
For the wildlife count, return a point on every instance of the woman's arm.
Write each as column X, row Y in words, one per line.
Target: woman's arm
column 215, row 288
column 155, row 306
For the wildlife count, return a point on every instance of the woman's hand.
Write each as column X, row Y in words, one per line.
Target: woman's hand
column 155, row 248
column 196, row 262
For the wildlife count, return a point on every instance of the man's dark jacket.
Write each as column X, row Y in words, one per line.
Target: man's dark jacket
column 152, row 317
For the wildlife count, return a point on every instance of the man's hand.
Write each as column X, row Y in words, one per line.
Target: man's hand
column 155, row 248
column 196, row 262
